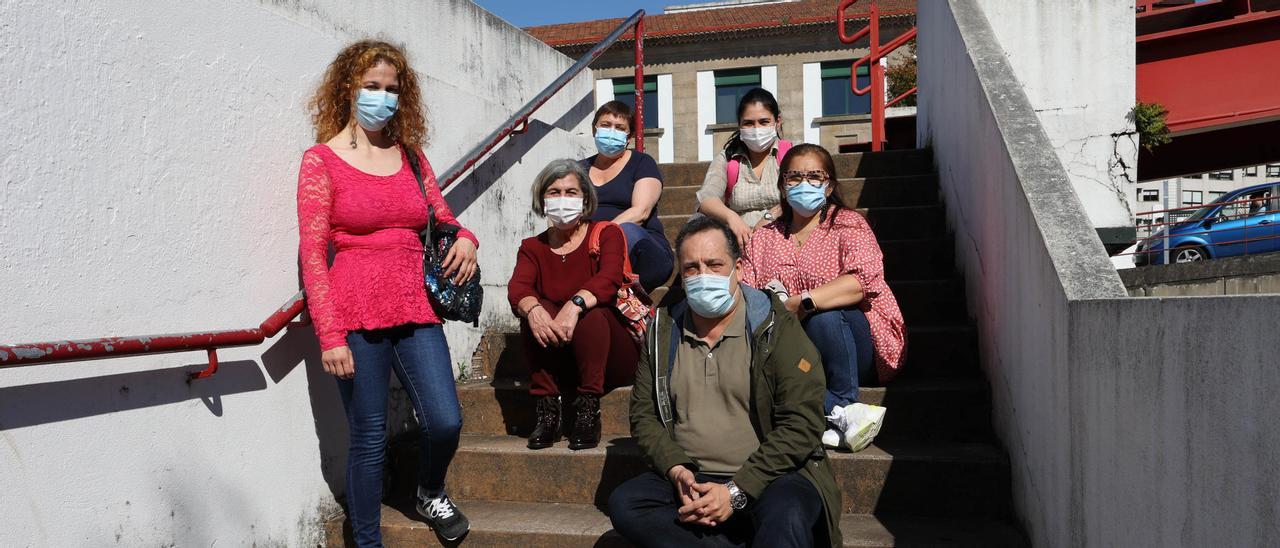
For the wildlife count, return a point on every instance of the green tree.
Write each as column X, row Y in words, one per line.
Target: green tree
column 902, row 76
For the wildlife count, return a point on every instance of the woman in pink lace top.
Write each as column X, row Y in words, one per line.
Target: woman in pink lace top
column 357, row 193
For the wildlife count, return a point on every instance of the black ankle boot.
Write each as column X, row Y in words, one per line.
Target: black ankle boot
column 586, row 422
column 547, row 429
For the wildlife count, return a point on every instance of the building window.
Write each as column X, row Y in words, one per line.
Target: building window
column 1273, row 170
column 838, row 98
column 1251, row 171
column 1222, row 175
column 731, row 85
column 1192, row 198
column 1196, row 176
column 1148, row 195
column 624, row 90
column 1213, row 195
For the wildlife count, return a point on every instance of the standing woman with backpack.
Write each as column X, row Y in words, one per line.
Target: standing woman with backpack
column 366, row 189
column 740, row 189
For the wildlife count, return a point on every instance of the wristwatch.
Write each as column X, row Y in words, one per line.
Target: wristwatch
column 737, row 499
column 582, row 303
column 806, row 302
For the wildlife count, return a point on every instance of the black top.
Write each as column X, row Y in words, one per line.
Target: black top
column 614, row 196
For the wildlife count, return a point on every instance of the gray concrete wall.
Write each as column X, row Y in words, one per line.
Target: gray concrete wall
column 1173, row 406
column 1247, row 275
column 1125, row 419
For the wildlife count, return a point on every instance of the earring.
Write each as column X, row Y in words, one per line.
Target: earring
column 353, row 136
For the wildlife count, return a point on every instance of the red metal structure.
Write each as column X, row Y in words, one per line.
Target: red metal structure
column 1213, row 66
column 210, row 341
column 878, row 52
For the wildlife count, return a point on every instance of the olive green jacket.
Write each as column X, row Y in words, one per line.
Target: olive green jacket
column 787, row 391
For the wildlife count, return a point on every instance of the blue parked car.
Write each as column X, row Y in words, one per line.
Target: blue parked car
column 1220, row 229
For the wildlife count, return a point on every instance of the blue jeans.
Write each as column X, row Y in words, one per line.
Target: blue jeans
column 419, row 356
column 651, row 255
column 644, row 510
column 843, row 338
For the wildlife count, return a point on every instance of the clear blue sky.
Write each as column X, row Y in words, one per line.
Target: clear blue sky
column 528, row 13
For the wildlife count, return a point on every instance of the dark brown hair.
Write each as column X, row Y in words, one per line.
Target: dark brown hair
column 835, row 203
column 619, row 109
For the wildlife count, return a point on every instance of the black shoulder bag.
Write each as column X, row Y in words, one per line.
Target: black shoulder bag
column 451, row 300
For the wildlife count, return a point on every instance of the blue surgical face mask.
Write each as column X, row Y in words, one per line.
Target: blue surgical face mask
column 610, row 142
column 807, row 198
column 375, row 108
column 709, row 295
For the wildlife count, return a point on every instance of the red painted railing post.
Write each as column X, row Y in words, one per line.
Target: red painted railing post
column 639, row 91
column 877, row 82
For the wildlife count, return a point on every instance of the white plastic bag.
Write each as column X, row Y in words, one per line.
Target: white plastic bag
column 860, row 423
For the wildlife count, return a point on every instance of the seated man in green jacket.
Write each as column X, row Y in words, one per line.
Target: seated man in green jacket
column 727, row 408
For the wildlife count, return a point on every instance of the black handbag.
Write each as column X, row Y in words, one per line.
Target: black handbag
column 450, row 300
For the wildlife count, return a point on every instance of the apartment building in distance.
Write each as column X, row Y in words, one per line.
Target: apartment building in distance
column 701, row 58
column 1193, row 190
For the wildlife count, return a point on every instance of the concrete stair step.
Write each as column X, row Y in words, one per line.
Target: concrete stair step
column 860, row 164
column 934, row 410
column 935, row 479
column 679, row 202
column 943, row 350
column 888, row 223
column 541, row 525
column 931, row 302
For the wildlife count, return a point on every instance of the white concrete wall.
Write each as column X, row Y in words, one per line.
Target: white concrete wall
column 706, row 113
column 812, row 74
column 1128, row 422
column 148, row 186
column 1077, row 62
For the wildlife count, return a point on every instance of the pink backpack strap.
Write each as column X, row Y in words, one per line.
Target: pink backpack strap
column 734, row 166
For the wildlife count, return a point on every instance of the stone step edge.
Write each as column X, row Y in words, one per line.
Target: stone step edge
column 984, row 453
column 573, row 523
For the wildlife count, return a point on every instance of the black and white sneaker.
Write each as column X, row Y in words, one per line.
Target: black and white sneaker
column 442, row 515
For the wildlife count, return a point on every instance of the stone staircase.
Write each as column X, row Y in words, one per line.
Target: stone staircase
column 935, row 476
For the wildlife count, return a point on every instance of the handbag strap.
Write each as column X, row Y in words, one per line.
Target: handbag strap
column 411, row 156
column 593, row 246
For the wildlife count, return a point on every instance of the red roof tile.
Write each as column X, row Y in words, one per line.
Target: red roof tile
column 782, row 14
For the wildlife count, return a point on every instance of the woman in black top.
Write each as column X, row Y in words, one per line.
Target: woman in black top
column 628, row 185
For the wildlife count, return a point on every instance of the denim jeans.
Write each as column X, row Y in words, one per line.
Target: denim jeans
column 419, row 356
column 651, row 256
column 644, row 510
column 843, row 338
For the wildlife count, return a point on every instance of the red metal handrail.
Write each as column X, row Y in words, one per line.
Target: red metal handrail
column 210, row 341
column 521, row 116
column 878, row 52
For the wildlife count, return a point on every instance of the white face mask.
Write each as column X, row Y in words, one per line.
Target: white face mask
column 563, row 211
column 758, row 139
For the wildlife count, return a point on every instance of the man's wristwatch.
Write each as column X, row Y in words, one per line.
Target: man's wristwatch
column 737, row 499
column 578, row 300
column 806, row 302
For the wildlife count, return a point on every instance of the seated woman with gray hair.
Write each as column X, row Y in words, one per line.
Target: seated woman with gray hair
column 564, row 295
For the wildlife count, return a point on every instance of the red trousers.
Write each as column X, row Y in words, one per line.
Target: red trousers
column 601, row 355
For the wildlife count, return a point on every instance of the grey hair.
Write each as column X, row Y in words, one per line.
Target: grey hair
column 559, row 169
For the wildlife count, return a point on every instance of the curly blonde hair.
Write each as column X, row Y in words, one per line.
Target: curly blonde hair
column 331, row 106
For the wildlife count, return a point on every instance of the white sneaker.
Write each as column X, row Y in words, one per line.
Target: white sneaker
column 832, row 439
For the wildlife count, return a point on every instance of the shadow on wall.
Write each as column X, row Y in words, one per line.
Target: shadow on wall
column 298, row 346
column 30, row 405
column 470, row 188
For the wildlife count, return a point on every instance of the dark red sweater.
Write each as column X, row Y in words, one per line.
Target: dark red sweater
column 547, row 276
